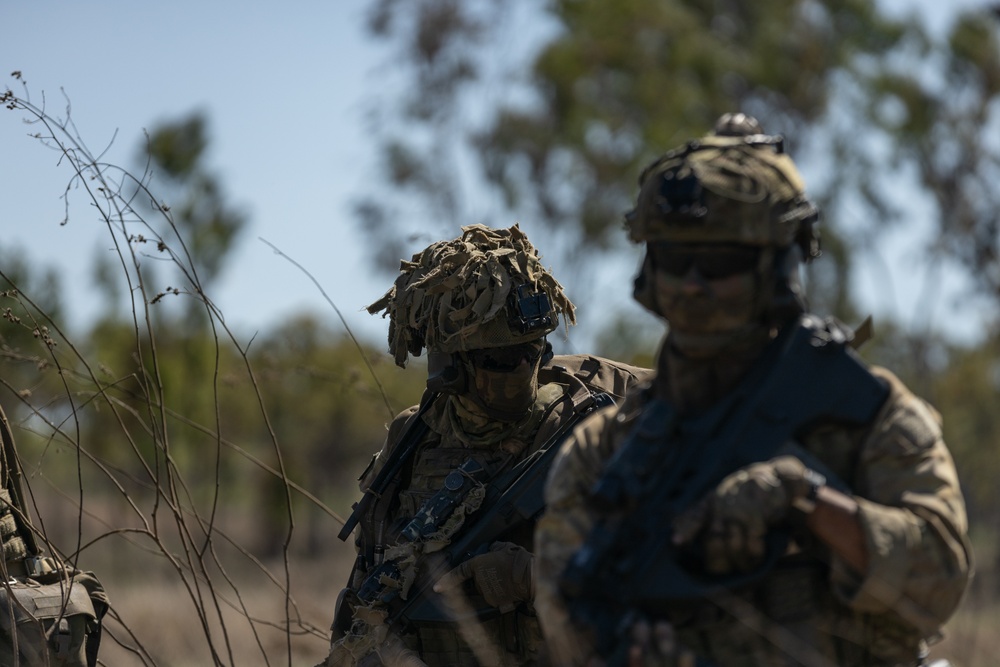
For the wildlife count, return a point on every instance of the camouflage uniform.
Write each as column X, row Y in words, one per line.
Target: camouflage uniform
column 812, row 608
column 460, row 429
column 55, row 608
column 914, row 520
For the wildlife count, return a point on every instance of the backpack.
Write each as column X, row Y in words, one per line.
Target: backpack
column 50, row 612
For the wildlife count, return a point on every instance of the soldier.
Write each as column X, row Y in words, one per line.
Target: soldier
column 50, row 612
column 481, row 305
column 768, row 499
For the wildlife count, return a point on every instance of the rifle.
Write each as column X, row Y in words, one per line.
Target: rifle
column 514, row 497
column 628, row 566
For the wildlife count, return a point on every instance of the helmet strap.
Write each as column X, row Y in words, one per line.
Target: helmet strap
column 787, row 300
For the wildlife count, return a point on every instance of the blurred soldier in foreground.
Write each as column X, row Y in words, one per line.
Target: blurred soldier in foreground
column 50, row 612
column 445, row 539
column 769, row 499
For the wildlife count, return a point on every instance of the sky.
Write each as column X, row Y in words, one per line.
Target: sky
column 284, row 87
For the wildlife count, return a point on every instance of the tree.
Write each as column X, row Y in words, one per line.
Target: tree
column 595, row 90
column 942, row 119
column 29, row 296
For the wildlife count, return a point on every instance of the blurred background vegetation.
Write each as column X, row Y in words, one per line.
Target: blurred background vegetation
column 195, row 468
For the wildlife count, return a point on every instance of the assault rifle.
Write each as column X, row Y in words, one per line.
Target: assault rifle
column 429, row 519
column 512, row 498
column 628, row 567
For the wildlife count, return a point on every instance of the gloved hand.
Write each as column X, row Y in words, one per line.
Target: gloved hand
column 502, row 576
column 735, row 517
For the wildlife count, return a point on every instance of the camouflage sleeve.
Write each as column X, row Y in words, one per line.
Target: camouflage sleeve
column 563, row 528
column 913, row 516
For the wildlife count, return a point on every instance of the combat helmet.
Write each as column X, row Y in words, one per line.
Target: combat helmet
column 485, row 289
column 736, row 185
column 726, row 189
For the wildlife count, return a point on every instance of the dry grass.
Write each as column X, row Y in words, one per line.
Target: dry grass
column 972, row 637
column 160, row 613
column 160, row 606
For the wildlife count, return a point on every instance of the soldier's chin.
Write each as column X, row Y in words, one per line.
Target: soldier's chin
column 709, row 327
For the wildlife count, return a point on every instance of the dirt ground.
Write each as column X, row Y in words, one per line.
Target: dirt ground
column 164, row 620
column 162, row 617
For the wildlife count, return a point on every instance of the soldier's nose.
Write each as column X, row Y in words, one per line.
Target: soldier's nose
column 693, row 282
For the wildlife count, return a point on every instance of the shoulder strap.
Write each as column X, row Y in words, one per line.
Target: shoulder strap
column 401, row 455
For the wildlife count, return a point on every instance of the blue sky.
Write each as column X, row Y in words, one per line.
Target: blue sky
column 283, row 87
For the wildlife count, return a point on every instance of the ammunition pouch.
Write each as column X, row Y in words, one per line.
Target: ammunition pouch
column 51, row 617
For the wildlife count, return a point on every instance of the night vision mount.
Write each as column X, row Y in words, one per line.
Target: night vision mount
column 529, row 311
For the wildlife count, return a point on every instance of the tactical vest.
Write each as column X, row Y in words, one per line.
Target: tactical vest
column 440, row 454
column 513, row 638
column 567, row 384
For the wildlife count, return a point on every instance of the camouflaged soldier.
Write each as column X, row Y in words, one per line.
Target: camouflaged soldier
column 50, row 612
column 876, row 557
column 481, row 305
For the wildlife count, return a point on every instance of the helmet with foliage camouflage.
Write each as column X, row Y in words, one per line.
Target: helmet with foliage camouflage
column 485, row 289
column 739, row 189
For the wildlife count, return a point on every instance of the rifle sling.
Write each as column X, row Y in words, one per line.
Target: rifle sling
column 390, row 475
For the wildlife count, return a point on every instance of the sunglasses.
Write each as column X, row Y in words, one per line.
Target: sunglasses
column 712, row 261
column 508, row 358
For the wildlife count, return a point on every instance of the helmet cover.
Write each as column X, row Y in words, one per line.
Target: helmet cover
column 725, row 189
column 486, row 288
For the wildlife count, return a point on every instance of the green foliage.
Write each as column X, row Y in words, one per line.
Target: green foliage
column 302, row 402
column 177, row 147
column 625, row 81
column 30, row 341
column 42, row 284
column 941, row 119
column 871, row 100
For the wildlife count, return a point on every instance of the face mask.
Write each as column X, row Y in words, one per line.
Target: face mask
column 705, row 290
column 504, row 381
